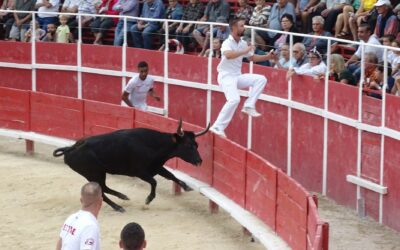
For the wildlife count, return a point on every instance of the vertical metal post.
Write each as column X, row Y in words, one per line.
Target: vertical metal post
column 289, row 123
column 209, row 78
column 79, row 56
column 124, row 46
column 383, row 124
column 33, row 52
column 166, row 100
column 249, row 119
column 359, row 132
column 326, row 105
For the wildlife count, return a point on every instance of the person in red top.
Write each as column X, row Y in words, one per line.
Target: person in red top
column 102, row 24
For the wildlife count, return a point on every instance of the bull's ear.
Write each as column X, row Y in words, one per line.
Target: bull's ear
column 179, row 131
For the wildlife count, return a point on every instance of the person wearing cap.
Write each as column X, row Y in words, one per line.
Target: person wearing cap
column 387, row 23
column 315, row 66
column 230, row 78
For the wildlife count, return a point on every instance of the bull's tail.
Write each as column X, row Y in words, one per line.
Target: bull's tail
column 61, row 151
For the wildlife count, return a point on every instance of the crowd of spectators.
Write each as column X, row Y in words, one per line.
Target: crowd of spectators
column 372, row 21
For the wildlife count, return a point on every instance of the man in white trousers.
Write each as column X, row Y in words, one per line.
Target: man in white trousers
column 231, row 79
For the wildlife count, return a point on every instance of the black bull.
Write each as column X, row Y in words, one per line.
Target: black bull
column 136, row 152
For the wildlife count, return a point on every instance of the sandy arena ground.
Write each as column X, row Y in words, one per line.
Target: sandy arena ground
column 38, row 193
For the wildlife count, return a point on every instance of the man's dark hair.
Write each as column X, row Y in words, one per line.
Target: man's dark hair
column 234, row 21
column 366, row 26
column 132, row 236
column 381, row 68
column 142, row 64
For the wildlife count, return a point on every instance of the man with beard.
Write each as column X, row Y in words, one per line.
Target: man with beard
column 51, row 33
column 230, row 78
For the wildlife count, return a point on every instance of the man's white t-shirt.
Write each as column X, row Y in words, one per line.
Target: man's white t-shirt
column 138, row 89
column 80, row 231
column 55, row 5
column 232, row 66
column 369, row 49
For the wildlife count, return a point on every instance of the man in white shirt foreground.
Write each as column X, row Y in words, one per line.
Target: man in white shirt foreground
column 132, row 237
column 231, row 79
column 81, row 230
column 138, row 87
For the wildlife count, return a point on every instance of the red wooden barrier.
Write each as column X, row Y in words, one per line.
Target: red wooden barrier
column 16, row 78
column 57, row 82
column 188, row 104
column 371, row 110
column 392, row 112
column 343, row 99
column 308, row 91
column 110, row 57
column 57, row 53
column 14, row 109
column 56, row 115
column 101, row 88
column 261, row 183
column 153, row 58
column 102, row 118
column 21, row 54
column 178, row 69
column 291, row 214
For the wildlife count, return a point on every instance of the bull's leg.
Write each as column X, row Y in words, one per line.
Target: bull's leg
column 115, row 193
column 115, row 206
column 153, row 184
column 169, row 176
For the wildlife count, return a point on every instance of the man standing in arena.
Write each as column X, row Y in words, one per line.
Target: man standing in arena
column 230, row 78
column 138, row 87
column 132, row 237
column 81, row 230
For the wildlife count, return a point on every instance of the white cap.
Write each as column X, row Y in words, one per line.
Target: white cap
column 383, row 2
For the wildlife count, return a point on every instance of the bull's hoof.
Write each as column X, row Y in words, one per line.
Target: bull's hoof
column 145, row 207
column 148, row 200
column 119, row 209
column 187, row 188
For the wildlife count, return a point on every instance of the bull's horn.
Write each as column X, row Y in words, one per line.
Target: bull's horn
column 202, row 132
column 179, row 131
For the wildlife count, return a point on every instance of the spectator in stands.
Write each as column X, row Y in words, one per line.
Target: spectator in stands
column 173, row 12
column 259, row 18
column 21, row 20
column 84, row 7
column 288, row 25
column 342, row 27
column 282, row 60
column 303, row 10
column 132, row 237
column 125, row 8
column 70, row 6
column 193, row 11
column 280, row 8
column 328, row 9
column 51, row 33
column 63, row 32
column 47, row 6
column 216, row 52
column 371, row 62
column 315, row 67
column 214, row 9
column 387, row 22
column 39, row 33
column 394, row 58
column 318, row 30
column 222, row 34
column 396, row 87
column 364, row 13
column 339, row 72
column 244, row 11
column 142, row 32
column 378, row 81
column 101, row 25
column 299, row 54
column 7, row 18
column 365, row 35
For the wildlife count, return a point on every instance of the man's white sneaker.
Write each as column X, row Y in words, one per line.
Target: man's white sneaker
column 251, row 112
column 216, row 131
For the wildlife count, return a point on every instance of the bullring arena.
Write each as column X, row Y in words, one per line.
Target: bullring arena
column 314, row 137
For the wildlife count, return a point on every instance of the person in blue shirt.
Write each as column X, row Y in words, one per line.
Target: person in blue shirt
column 142, row 32
column 125, row 8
